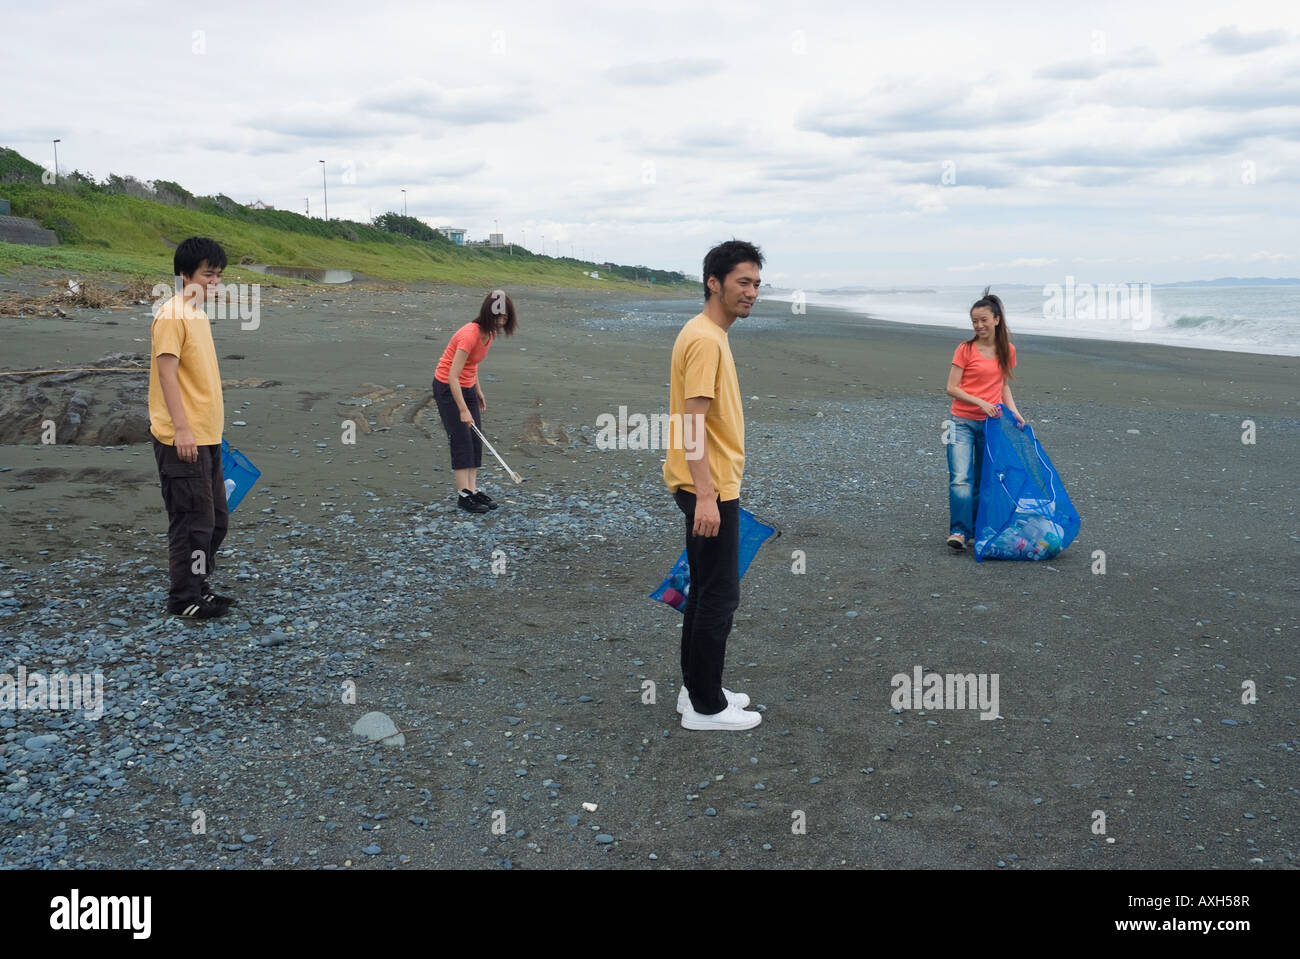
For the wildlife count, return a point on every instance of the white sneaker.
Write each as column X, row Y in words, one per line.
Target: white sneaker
column 733, row 717
column 733, row 699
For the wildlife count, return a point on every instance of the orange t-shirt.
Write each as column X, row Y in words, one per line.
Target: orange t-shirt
column 702, row 365
column 183, row 330
column 980, row 376
column 470, row 339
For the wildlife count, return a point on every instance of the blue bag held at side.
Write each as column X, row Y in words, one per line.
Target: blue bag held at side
column 676, row 586
column 1024, row 511
column 240, row 474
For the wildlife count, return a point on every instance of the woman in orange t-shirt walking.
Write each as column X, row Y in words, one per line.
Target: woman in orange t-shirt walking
column 457, row 374
column 978, row 380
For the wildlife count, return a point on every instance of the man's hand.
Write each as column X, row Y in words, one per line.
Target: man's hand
column 482, row 400
column 467, row 417
column 169, row 379
column 707, row 519
column 186, row 448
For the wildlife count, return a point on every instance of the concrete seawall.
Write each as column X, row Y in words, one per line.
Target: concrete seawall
column 17, row 229
column 315, row 274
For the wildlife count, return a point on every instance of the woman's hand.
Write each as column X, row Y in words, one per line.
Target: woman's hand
column 467, row 417
column 482, row 400
column 989, row 409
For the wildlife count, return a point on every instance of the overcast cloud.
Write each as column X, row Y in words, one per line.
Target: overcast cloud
column 857, row 143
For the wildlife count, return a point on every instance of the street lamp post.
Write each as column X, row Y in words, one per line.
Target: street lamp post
column 403, row 203
column 56, row 160
column 325, row 187
column 308, row 201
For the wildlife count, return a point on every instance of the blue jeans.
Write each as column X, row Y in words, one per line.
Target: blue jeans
column 965, row 457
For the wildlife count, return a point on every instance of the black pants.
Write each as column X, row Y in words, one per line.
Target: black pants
column 197, row 518
column 466, row 448
column 711, row 603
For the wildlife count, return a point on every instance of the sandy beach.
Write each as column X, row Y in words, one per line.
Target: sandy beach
column 520, row 687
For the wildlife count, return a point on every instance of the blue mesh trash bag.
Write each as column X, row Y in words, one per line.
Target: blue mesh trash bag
column 676, row 586
column 239, row 472
column 1024, row 511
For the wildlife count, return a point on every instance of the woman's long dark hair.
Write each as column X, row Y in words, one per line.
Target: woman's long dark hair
column 1001, row 335
column 497, row 314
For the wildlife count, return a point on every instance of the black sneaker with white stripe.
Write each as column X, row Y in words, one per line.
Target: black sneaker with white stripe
column 199, row 609
column 217, row 599
column 486, row 500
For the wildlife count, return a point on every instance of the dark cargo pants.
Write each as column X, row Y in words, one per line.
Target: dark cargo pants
column 197, row 519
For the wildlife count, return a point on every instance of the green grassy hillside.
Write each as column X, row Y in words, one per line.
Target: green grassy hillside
column 104, row 227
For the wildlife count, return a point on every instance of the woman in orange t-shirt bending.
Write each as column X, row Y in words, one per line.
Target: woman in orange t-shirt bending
column 456, row 375
column 978, row 380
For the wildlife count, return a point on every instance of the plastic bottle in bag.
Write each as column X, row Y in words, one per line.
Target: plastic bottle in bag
column 1042, row 537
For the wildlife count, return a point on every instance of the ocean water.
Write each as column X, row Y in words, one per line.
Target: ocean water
column 1246, row 319
column 671, row 314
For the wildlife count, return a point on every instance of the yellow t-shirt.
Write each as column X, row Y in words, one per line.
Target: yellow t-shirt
column 183, row 330
column 702, row 366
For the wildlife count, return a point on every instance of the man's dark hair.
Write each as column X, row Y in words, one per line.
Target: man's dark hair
column 497, row 314
column 725, row 257
column 194, row 251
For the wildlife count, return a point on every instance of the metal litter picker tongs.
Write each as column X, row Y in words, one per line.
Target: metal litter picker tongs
column 513, row 475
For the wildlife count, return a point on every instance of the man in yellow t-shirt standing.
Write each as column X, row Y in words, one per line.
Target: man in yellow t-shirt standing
column 703, row 472
column 186, row 418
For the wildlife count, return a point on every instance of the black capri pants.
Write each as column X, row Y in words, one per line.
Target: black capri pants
column 466, row 447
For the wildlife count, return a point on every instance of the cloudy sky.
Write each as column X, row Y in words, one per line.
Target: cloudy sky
column 880, row 144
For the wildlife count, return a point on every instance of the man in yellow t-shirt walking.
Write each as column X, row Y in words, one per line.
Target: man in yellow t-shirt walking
column 186, row 418
column 703, row 472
